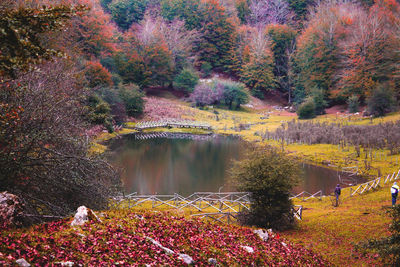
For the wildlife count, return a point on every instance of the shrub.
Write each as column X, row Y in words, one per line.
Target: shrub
column 99, row 111
column 235, row 94
column 44, row 150
column 381, row 101
column 186, row 80
column 111, row 96
column 226, row 92
column 307, row 109
column 268, row 175
column 206, row 69
column 205, row 94
column 353, row 103
column 132, row 97
column 319, row 101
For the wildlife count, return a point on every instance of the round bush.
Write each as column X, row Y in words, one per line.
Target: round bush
column 186, row 80
column 307, row 109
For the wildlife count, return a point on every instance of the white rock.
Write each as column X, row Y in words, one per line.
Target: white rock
column 262, row 234
column 67, row 263
column 248, row 249
column 82, row 215
column 22, row 262
column 186, row 258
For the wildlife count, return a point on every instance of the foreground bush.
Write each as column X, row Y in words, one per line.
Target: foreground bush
column 43, row 148
column 269, row 175
column 122, row 239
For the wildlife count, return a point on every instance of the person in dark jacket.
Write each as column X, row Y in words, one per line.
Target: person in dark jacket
column 395, row 191
column 338, row 190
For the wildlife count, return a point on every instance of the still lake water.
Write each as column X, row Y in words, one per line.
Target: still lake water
column 193, row 164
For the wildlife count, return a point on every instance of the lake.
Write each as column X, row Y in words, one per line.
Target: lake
column 182, row 163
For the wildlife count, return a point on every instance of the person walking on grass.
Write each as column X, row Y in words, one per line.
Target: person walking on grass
column 395, row 191
column 338, row 190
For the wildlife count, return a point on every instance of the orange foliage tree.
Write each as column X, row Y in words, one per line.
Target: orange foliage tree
column 318, row 52
column 372, row 50
column 257, row 72
column 147, row 61
column 91, row 34
column 97, row 75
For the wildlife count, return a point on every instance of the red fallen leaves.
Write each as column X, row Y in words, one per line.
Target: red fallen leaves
column 122, row 239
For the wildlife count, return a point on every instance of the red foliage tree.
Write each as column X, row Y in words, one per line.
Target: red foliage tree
column 97, row 75
column 92, row 34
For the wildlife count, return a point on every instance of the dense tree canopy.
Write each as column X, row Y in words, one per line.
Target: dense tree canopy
column 21, row 30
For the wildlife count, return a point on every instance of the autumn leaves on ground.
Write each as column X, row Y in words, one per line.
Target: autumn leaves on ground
column 127, row 238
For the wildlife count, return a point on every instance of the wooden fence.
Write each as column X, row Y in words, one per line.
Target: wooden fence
column 304, row 196
column 171, row 123
column 223, row 206
column 373, row 184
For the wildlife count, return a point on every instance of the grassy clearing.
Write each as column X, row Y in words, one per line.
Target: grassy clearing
column 334, row 231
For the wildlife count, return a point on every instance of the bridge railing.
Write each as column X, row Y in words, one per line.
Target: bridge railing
column 172, row 123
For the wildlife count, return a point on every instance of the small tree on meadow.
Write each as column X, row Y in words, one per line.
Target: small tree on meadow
column 307, row 109
column 381, row 101
column 319, row 100
column 353, row 103
column 186, row 80
column 205, row 94
column 235, row 94
column 269, row 175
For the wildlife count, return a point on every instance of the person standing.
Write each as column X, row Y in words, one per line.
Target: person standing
column 338, row 190
column 395, row 191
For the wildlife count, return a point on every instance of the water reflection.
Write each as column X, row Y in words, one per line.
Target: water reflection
column 166, row 166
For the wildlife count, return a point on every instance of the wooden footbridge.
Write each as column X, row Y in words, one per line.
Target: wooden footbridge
column 224, row 206
column 145, row 136
column 172, row 123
